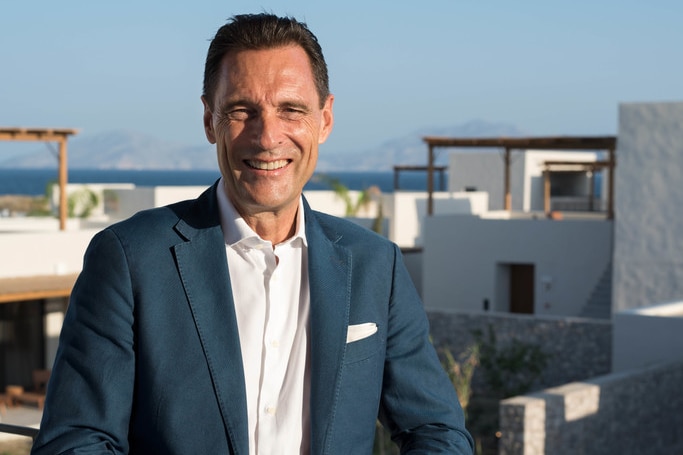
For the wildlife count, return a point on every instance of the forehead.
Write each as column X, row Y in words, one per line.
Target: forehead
column 264, row 67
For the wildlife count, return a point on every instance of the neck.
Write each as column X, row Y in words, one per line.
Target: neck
column 275, row 227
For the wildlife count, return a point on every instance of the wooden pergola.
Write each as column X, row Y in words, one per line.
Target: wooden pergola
column 566, row 143
column 59, row 135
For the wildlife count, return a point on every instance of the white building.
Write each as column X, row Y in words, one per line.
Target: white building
column 548, row 252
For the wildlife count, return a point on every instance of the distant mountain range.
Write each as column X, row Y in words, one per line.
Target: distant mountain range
column 135, row 150
column 121, row 149
column 410, row 149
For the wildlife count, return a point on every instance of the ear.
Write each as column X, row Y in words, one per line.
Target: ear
column 326, row 119
column 208, row 122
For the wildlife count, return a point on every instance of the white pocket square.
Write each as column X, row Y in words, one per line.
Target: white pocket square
column 359, row 331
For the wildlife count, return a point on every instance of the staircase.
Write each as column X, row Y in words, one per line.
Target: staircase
column 599, row 304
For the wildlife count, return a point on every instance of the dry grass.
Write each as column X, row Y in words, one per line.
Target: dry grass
column 23, row 204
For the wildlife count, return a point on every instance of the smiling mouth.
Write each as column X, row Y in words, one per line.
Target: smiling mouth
column 267, row 165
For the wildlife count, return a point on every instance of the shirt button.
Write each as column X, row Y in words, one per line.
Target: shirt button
column 274, row 344
column 271, row 410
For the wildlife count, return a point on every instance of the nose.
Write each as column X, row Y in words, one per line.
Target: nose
column 267, row 131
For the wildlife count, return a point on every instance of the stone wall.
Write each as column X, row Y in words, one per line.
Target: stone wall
column 635, row 412
column 577, row 348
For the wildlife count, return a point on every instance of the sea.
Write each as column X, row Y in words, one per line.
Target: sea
column 34, row 182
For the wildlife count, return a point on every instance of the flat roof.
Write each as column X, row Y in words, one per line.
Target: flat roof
column 19, row 289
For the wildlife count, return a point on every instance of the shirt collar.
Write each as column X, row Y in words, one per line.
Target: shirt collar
column 236, row 230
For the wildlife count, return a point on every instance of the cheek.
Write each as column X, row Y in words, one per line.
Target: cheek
column 226, row 139
column 222, row 151
column 308, row 134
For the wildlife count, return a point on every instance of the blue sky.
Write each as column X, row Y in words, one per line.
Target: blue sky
column 395, row 67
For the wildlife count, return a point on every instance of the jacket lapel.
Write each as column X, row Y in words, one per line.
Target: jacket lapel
column 202, row 265
column 329, row 268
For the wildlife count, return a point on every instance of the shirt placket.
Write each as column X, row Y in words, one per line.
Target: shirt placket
column 274, row 360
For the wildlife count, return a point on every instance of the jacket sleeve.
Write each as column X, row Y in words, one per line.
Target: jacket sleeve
column 419, row 404
column 89, row 396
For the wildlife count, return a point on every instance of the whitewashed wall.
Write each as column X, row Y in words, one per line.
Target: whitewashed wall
column 43, row 252
column 132, row 200
column 97, row 188
column 483, row 171
column 648, row 249
column 462, row 255
column 407, row 211
column 647, row 336
column 330, row 202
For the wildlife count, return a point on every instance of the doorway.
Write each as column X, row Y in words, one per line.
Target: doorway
column 521, row 295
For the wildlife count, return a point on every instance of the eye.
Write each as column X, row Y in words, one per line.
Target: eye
column 239, row 114
column 292, row 113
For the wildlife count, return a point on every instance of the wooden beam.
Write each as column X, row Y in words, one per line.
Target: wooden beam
column 410, row 167
column 610, row 184
column 591, row 192
column 407, row 167
column 430, row 182
column 63, row 179
column 528, row 143
column 507, row 196
column 587, row 165
column 19, row 289
column 35, row 134
column 34, row 295
column 546, row 192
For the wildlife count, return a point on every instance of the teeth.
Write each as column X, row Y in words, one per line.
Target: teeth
column 267, row 165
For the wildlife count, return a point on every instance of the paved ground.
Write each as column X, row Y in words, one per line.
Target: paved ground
column 13, row 444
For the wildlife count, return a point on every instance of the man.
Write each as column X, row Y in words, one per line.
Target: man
column 243, row 322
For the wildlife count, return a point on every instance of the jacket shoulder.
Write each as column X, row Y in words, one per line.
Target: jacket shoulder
column 151, row 219
column 199, row 212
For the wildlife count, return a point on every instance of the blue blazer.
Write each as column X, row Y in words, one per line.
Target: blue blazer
column 149, row 359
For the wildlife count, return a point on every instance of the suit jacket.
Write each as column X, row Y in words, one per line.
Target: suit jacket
column 149, row 360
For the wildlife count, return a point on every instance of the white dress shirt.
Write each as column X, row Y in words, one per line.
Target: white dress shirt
column 272, row 301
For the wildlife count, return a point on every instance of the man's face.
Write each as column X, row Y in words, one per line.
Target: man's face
column 267, row 124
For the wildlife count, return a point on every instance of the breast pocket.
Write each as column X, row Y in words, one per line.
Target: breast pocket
column 357, row 351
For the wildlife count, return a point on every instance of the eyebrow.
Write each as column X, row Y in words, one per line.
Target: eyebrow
column 295, row 104
column 249, row 104
column 231, row 104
